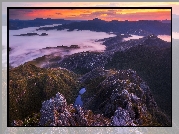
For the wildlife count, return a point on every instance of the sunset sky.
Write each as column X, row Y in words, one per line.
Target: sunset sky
column 89, row 14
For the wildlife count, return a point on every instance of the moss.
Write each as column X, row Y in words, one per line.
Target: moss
column 32, row 120
column 149, row 120
column 29, row 86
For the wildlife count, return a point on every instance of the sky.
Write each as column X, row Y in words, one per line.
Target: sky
column 89, row 14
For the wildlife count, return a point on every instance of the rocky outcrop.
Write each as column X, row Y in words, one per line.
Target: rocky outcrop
column 51, row 108
column 56, row 112
column 125, row 94
column 152, row 63
column 122, row 118
column 120, row 98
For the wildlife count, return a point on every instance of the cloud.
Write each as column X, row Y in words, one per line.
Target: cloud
column 106, row 14
column 97, row 14
column 73, row 15
column 107, row 4
column 16, row 13
column 20, row 10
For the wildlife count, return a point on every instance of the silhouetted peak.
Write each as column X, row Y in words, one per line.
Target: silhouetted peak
column 97, row 19
column 114, row 21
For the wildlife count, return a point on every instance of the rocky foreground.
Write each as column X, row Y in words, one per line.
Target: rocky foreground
column 117, row 98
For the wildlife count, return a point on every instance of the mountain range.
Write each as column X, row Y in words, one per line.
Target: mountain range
column 141, row 27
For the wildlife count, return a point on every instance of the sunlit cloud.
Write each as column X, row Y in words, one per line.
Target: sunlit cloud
column 89, row 14
column 174, row 5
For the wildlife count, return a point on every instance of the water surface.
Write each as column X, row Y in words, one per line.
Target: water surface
column 82, row 91
column 78, row 100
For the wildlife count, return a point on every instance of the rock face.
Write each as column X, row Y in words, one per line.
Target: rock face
column 118, row 98
column 125, row 98
column 122, row 99
column 56, row 112
column 51, row 108
column 122, row 118
column 152, row 63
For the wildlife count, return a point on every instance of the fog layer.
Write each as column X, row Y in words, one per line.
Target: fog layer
column 26, row 48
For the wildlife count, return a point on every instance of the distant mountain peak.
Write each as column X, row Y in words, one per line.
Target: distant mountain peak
column 97, row 19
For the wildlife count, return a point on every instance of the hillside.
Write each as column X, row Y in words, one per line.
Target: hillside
column 30, row 85
column 117, row 98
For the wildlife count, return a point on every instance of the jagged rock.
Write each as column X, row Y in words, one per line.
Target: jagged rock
column 122, row 118
column 124, row 89
column 151, row 58
column 56, row 112
column 50, row 108
column 122, row 98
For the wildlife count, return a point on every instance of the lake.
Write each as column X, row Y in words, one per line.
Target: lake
column 78, row 100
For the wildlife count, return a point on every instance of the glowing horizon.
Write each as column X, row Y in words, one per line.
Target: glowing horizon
column 89, row 14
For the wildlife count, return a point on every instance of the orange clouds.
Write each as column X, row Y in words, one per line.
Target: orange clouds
column 88, row 14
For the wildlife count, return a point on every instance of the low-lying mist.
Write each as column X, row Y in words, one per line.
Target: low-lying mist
column 132, row 37
column 26, row 48
column 165, row 37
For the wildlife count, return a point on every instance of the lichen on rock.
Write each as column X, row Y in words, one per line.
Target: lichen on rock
column 56, row 112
